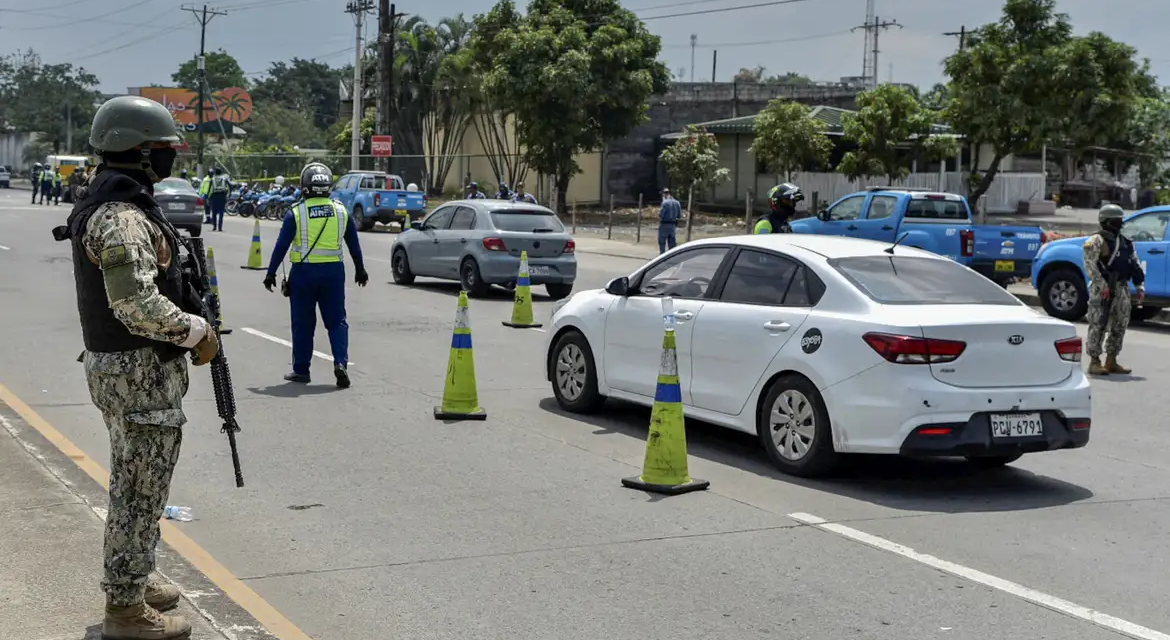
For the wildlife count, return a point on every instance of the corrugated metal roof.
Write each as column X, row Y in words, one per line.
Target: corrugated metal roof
column 831, row 116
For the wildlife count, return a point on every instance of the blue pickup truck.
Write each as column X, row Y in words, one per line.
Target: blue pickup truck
column 933, row 221
column 372, row 196
column 1062, row 284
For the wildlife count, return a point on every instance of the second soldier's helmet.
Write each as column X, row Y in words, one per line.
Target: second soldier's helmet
column 317, row 180
column 126, row 122
column 1110, row 215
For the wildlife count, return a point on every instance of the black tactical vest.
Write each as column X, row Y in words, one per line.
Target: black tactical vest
column 101, row 331
column 1119, row 261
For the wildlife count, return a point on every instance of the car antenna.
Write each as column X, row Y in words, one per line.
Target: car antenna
column 890, row 249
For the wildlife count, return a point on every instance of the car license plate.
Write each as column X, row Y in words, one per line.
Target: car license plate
column 176, row 206
column 537, row 271
column 1016, row 425
column 1005, row 265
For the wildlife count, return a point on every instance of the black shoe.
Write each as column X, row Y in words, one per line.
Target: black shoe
column 296, row 377
column 342, row 375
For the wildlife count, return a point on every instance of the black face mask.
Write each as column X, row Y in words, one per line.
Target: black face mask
column 162, row 162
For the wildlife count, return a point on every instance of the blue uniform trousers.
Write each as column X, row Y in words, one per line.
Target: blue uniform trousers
column 218, row 203
column 207, row 209
column 666, row 239
column 46, row 192
column 312, row 286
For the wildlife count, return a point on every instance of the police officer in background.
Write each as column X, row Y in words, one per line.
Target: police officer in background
column 205, row 193
column 519, row 195
column 782, row 198
column 35, row 179
column 1111, row 263
column 314, row 229
column 220, row 185
column 668, row 218
column 47, row 183
column 473, row 192
column 137, row 326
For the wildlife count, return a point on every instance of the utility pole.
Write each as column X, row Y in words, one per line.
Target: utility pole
column 204, row 16
column 387, row 36
column 358, row 10
column 962, row 33
column 69, row 128
column 694, row 42
column 714, row 61
column 874, row 28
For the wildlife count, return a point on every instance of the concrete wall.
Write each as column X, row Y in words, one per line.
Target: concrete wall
column 12, row 149
column 631, row 163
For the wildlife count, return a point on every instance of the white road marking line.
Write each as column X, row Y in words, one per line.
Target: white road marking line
column 538, row 329
column 261, row 334
column 4, row 248
column 1011, row 588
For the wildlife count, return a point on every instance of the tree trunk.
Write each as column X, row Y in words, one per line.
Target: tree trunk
column 562, row 180
column 986, row 180
column 690, row 216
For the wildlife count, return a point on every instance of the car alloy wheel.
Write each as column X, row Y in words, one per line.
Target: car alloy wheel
column 571, row 372
column 792, row 423
column 1063, row 295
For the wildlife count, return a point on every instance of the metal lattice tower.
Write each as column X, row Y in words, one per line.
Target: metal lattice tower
column 868, row 59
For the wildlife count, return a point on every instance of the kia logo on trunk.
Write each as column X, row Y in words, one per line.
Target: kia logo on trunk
column 536, row 245
column 1016, row 340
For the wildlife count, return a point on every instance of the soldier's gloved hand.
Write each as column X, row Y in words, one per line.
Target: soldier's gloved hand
column 205, row 349
column 361, row 277
column 270, row 282
column 1141, row 293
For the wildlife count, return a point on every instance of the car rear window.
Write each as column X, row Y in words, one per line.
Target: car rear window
column 932, row 209
column 174, row 186
column 527, row 221
column 911, row 280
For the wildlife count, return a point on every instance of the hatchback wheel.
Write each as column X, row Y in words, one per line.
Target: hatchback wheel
column 793, row 426
column 574, row 376
column 559, row 291
column 400, row 267
column 470, row 278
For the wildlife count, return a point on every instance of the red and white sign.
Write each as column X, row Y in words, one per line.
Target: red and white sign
column 382, row 146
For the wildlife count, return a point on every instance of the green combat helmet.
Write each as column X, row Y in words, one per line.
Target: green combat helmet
column 126, row 122
column 1109, row 213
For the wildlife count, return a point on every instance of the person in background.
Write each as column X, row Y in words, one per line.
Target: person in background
column 668, row 218
column 1133, row 197
column 47, row 184
column 76, row 179
column 1111, row 263
column 205, row 193
column 521, row 196
column 473, row 192
column 57, row 179
column 35, row 179
column 221, row 184
column 315, row 229
column 782, row 199
column 504, row 193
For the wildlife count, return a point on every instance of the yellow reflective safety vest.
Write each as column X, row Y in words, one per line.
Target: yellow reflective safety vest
column 763, row 226
column 219, row 184
column 56, row 178
column 205, row 186
column 320, row 227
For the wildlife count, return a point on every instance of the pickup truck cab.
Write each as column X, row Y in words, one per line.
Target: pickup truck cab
column 372, row 196
column 933, row 221
column 1062, row 283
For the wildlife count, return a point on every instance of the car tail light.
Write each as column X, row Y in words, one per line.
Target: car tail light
column 199, row 202
column 494, row 244
column 570, row 247
column 967, row 238
column 911, row 350
column 1080, row 424
column 935, row 431
column 1069, row 349
column 377, row 199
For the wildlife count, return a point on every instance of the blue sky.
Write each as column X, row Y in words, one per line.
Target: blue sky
column 139, row 42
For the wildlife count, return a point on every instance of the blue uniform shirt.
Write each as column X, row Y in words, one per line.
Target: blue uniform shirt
column 288, row 231
column 671, row 211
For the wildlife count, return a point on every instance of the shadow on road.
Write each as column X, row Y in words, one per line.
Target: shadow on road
column 452, row 289
column 934, row 485
column 294, row 390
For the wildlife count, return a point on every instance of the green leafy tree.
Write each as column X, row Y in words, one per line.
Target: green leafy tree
column 1149, row 136
column 758, row 75
column 1025, row 81
column 937, row 97
column 223, row 71
column 278, row 125
column 55, row 100
column 692, row 163
column 308, row 87
column 890, row 128
column 494, row 124
column 788, row 138
column 574, row 75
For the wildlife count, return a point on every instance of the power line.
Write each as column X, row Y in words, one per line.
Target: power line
column 773, row 3
column 758, row 43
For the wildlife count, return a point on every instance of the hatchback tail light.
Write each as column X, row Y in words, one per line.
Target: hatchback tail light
column 967, row 240
column 1069, row 349
column 912, row 350
column 494, row 244
column 570, row 247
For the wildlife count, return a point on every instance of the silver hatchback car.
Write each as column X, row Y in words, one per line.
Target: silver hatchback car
column 478, row 243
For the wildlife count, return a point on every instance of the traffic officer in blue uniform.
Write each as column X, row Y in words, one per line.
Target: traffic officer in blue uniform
column 221, row 184
column 314, row 230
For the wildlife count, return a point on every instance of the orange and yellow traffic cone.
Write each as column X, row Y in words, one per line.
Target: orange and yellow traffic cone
column 460, row 397
column 665, row 467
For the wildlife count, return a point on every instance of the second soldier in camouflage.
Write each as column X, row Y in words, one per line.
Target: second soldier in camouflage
column 1111, row 262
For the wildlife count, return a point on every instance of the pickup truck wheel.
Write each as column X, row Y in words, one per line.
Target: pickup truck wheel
column 1063, row 295
column 469, row 277
column 1142, row 314
column 364, row 223
column 400, row 267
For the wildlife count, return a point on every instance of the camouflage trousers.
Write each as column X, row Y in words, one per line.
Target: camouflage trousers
column 141, row 400
column 1114, row 325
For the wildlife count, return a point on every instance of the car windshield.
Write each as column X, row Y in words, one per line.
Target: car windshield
column 912, row 280
column 527, row 221
column 172, row 185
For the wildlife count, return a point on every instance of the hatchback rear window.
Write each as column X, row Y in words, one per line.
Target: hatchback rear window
column 527, row 222
column 912, row 280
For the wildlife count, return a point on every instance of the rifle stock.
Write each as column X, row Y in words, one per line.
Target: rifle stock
column 221, row 375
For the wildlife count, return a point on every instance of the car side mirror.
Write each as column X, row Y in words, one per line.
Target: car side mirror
column 417, row 225
column 618, row 286
column 823, row 214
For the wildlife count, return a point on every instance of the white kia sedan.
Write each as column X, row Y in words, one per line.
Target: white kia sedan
column 824, row 345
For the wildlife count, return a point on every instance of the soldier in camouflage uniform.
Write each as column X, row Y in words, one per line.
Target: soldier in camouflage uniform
column 1111, row 263
column 137, row 323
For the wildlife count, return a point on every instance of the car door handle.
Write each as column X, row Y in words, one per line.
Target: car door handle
column 887, row 228
column 1157, row 251
column 852, row 227
column 777, row 326
column 463, row 241
column 683, row 315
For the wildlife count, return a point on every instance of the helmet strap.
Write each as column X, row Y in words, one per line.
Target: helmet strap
column 143, row 166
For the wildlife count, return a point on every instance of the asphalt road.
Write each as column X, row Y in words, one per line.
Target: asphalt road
column 364, row 517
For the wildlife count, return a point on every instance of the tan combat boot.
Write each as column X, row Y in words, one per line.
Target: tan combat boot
column 162, row 596
column 1095, row 368
column 1112, row 366
column 141, row 622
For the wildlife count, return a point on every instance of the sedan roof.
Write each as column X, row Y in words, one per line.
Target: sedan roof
column 825, row 246
column 491, row 205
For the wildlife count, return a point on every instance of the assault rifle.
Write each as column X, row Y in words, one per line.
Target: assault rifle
column 221, row 375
